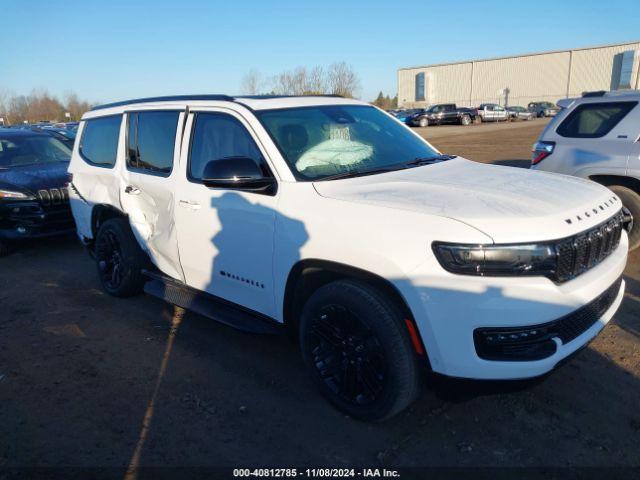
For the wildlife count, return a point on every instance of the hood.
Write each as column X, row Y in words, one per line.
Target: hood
column 506, row 203
column 35, row 177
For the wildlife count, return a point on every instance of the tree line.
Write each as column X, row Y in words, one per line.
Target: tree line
column 337, row 79
column 40, row 106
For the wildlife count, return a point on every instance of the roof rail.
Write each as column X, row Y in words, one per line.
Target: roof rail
column 266, row 97
column 599, row 93
column 170, row 98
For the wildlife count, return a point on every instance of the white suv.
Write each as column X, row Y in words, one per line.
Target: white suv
column 329, row 217
column 598, row 137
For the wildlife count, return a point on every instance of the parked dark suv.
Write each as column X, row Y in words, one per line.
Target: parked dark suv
column 34, row 201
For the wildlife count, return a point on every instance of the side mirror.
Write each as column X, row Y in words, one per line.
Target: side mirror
column 237, row 173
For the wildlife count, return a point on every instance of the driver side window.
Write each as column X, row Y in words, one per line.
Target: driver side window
column 217, row 136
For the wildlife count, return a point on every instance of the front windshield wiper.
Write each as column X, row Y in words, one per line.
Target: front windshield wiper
column 417, row 162
column 357, row 173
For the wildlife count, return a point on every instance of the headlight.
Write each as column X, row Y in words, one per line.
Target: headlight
column 497, row 260
column 11, row 195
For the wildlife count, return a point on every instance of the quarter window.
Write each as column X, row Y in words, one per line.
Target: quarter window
column 151, row 138
column 594, row 120
column 99, row 142
column 217, row 136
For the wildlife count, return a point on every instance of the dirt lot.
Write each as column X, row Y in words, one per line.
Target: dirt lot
column 89, row 380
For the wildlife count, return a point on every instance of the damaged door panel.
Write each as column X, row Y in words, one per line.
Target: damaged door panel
column 147, row 183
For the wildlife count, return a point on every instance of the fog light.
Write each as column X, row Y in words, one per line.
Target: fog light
column 514, row 344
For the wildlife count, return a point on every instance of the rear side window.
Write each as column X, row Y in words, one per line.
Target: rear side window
column 99, row 142
column 217, row 136
column 151, row 138
column 594, row 120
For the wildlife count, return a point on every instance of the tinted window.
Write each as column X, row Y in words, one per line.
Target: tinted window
column 217, row 136
column 593, row 120
column 151, row 138
column 420, row 87
column 99, row 143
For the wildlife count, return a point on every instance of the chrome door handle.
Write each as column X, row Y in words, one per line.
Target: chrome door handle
column 131, row 190
column 189, row 204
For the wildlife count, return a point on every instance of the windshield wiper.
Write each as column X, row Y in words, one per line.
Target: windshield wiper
column 362, row 173
column 418, row 162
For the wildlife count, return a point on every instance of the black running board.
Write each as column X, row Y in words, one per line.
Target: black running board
column 202, row 303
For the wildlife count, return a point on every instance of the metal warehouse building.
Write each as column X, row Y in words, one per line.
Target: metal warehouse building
column 518, row 80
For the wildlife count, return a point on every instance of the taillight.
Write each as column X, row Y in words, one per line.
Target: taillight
column 541, row 150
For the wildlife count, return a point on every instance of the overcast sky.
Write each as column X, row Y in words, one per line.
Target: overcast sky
column 117, row 49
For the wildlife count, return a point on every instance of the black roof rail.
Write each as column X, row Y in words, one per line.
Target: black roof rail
column 599, row 93
column 266, row 97
column 170, row 98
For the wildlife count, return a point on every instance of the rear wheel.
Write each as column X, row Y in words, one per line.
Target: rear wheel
column 630, row 201
column 119, row 258
column 465, row 120
column 356, row 348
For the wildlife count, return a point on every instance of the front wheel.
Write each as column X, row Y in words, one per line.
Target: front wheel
column 355, row 345
column 423, row 122
column 119, row 258
column 630, row 201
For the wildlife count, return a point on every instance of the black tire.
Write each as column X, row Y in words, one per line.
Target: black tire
column 631, row 201
column 465, row 120
column 356, row 347
column 4, row 249
column 423, row 122
column 119, row 259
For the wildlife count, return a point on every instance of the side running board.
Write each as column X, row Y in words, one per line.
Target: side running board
column 177, row 293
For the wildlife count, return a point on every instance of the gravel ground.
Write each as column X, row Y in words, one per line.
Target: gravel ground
column 89, row 380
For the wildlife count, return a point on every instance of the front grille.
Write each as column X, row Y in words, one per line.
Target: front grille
column 53, row 196
column 582, row 252
column 573, row 325
column 535, row 342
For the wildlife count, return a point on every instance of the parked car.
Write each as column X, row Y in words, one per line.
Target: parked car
column 326, row 217
column 520, row 113
column 597, row 138
column 68, row 137
column 543, row 109
column 492, row 112
column 405, row 115
column 34, row 201
column 440, row 114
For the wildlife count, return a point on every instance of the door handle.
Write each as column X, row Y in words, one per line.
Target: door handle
column 189, row 204
column 131, row 190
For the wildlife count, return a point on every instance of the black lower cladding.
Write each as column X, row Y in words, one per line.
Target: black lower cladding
column 49, row 214
column 535, row 342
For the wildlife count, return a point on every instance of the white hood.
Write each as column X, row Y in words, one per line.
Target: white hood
column 508, row 204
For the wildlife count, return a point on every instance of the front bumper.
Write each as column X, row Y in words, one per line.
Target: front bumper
column 451, row 309
column 32, row 219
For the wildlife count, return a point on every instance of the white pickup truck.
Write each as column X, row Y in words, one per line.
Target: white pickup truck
column 328, row 217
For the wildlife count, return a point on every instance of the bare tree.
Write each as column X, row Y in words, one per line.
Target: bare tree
column 316, row 83
column 251, row 83
column 342, row 80
column 339, row 79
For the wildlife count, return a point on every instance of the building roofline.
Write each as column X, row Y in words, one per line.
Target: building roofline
column 521, row 55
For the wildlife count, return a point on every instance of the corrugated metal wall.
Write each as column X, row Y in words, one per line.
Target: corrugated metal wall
column 539, row 77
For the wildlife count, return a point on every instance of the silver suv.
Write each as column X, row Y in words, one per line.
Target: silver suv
column 597, row 137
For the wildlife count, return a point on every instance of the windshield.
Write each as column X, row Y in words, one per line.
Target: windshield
column 19, row 150
column 325, row 141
